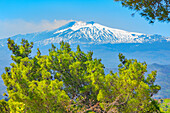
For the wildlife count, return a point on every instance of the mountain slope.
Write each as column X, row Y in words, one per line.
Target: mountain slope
column 106, row 43
column 87, row 33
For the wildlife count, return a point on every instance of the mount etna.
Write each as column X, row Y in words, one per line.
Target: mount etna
column 106, row 43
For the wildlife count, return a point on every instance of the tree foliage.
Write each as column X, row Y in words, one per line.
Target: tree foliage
column 68, row 81
column 150, row 9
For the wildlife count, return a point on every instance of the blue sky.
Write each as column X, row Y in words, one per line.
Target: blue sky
column 22, row 16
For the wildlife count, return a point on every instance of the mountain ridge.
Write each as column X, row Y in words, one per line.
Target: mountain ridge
column 149, row 48
column 87, row 33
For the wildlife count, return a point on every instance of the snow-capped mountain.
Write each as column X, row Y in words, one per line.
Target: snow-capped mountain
column 87, row 33
column 106, row 43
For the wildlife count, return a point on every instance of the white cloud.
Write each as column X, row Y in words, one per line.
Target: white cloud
column 13, row 27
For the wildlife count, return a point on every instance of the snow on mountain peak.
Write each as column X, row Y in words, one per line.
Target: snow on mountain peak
column 87, row 33
column 76, row 25
column 91, row 32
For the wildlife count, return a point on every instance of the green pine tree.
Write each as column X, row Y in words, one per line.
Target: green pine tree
column 72, row 81
column 150, row 9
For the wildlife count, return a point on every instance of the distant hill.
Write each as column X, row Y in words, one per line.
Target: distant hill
column 163, row 79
